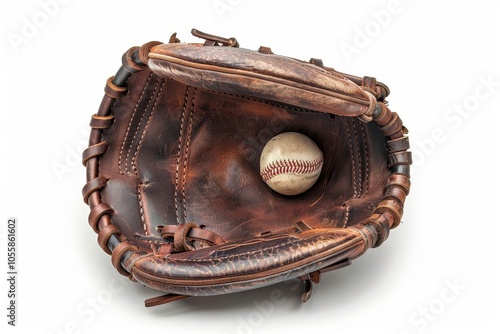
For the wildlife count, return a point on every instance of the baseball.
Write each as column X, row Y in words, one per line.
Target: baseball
column 290, row 163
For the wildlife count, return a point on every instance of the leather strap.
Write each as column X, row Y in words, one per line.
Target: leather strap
column 264, row 76
column 156, row 301
column 189, row 231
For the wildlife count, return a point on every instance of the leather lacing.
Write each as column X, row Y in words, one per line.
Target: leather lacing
column 110, row 237
column 184, row 234
column 387, row 215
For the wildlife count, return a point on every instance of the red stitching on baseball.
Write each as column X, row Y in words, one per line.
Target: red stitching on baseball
column 291, row 167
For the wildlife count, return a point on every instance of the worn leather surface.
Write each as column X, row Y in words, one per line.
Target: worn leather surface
column 269, row 76
column 173, row 173
column 183, row 154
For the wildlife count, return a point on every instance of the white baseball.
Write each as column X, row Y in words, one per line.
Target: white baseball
column 290, row 163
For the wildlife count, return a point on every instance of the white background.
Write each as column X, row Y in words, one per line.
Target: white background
column 436, row 58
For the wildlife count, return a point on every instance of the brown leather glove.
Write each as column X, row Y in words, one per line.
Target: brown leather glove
column 174, row 187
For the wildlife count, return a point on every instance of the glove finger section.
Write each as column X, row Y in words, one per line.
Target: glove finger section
column 263, row 76
column 251, row 264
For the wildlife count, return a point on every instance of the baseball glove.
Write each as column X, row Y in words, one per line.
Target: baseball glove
column 175, row 185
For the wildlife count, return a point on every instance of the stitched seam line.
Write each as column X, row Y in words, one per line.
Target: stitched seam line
column 347, row 212
column 360, row 181
column 267, row 102
column 120, row 168
column 291, row 167
column 186, row 152
column 367, row 170
column 259, row 251
column 139, row 125
column 141, row 209
column 141, row 140
column 352, row 160
column 179, row 148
